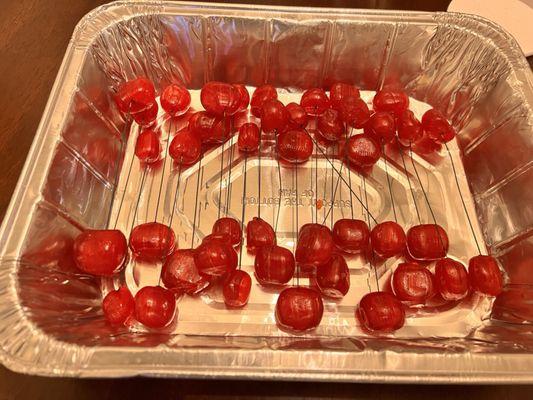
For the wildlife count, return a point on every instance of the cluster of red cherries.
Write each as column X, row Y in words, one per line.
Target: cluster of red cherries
column 318, row 248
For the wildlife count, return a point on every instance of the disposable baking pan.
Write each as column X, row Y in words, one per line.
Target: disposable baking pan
column 81, row 173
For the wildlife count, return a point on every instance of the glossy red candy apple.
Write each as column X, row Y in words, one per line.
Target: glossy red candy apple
column 295, row 146
column 391, row 101
column 380, row 312
column 260, row 95
column 135, row 96
column 315, row 101
column 485, row 275
column 297, row 116
column 236, row 289
column 315, row 245
column 388, row 239
column 244, row 97
column 427, row 242
column 362, row 150
column 152, row 241
column 330, row 125
column 339, row 91
column 274, row 116
column 409, row 128
column 333, row 278
column 351, row 235
column 274, row 265
column 437, row 127
column 180, row 274
column 154, row 306
column 146, row 117
column 220, row 99
column 230, row 227
column 185, row 148
column 451, row 279
column 299, row 309
column 148, row 147
column 354, row 111
column 381, row 125
column 259, row 233
column 175, row 100
column 100, row 252
column 118, row 306
column 413, row 283
column 215, row 258
column 249, row 136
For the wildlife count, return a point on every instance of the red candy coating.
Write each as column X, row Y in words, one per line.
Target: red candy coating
column 230, row 227
column 274, row 116
column 315, row 245
column 185, row 148
column 152, row 241
column 315, row 101
column 297, row 116
column 220, row 99
column 354, row 111
column 388, row 239
column 118, row 306
column 330, row 125
column 333, row 278
column 260, row 95
column 413, row 283
column 248, row 140
column 437, row 127
column 451, row 279
column 175, row 100
column 236, row 289
column 274, row 265
column 146, row 117
column 362, row 150
column 259, row 233
column 180, row 274
column 215, row 258
column 135, row 96
column 339, row 91
column 381, row 125
column 244, row 97
column 100, row 252
column 391, row 101
column 485, row 275
column 299, row 309
column 148, row 147
column 425, row 145
column 380, row 312
column 351, row 235
column 409, row 128
column 295, row 146
column 154, row 306
column 427, row 242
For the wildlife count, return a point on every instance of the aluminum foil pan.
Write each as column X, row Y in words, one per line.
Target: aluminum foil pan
column 81, row 173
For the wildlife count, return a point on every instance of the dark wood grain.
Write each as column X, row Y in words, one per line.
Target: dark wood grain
column 33, row 39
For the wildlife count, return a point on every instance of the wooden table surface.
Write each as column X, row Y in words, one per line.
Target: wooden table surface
column 33, row 39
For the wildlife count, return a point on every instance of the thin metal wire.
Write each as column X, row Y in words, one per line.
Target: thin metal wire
column 229, row 184
column 280, row 185
column 220, row 180
column 409, row 181
column 389, row 184
column 138, row 199
column 123, row 193
column 259, row 174
column 117, row 176
column 163, row 170
column 349, row 174
column 334, row 196
column 372, row 261
column 196, row 203
column 295, row 228
column 243, row 214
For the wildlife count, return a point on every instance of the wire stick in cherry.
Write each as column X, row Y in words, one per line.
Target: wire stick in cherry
column 389, row 184
column 229, row 185
column 220, row 180
column 368, row 215
column 196, row 202
column 409, row 180
column 163, row 170
column 334, row 194
column 117, row 176
column 243, row 214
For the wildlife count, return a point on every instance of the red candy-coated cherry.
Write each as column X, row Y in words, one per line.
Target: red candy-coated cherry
column 220, row 99
column 244, row 97
column 381, row 125
column 339, row 91
column 354, row 111
column 152, row 241
column 351, row 235
column 409, row 128
column 380, row 312
column 135, row 96
column 485, row 275
column 315, row 101
column 274, row 265
column 391, row 101
column 427, row 242
column 146, row 117
column 333, row 278
column 437, row 127
column 388, row 239
column 330, row 125
column 249, row 137
column 425, row 145
column 118, row 306
column 315, row 245
column 363, row 151
column 413, row 283
column 230, row 227
column 147, row 147
column 299, row 309
column 451, row 279
column 274, row 116
column 208, row 128
column 185, row 148
column 260, row 95
column 175, row 100
column 100, row 252
column 154, row 306
column 215, row 258
column 217, row 236
column 295, row 146
column 297, row 116
column 236, row 289
column 259, row 233
column 180, row 274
